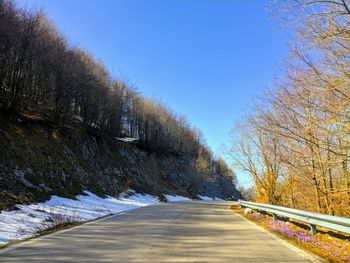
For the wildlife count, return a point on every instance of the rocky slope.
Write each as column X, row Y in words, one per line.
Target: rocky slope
column 38, row 160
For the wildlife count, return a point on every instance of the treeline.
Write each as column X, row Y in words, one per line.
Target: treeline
column 41, row 72
column 296, row 144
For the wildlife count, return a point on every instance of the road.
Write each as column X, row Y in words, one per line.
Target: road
column 173, row 232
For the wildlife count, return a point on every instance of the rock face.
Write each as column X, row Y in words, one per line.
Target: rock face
column 219, row 186
column 37, row 161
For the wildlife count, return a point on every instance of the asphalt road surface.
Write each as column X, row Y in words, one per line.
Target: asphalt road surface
column 173, row 232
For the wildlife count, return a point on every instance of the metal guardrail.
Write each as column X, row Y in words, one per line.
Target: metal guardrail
column 341, row 224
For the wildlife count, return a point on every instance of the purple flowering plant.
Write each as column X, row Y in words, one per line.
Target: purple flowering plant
column 329, row 247
column 338, row 250
column 285, row 229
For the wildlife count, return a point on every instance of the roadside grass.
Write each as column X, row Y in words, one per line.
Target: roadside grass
column 328, row 245
column 2, row 246
column 58, row 227
column 55, row 221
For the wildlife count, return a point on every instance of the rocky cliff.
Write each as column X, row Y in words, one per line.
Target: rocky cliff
column 38, row 160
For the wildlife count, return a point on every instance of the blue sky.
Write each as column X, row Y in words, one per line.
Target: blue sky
column 206, row 59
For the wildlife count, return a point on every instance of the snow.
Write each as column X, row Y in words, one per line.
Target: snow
column 207, row 198
column 176, row 198
column 25, row 222
column 127, row 139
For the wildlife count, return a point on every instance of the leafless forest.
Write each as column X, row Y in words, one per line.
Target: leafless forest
column 42, row 75
column 296, row 143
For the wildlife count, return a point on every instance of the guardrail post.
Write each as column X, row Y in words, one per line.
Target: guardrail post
column 313, row 230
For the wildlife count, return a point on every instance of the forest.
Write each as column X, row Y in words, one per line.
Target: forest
column 41, row 74
column 295, row 143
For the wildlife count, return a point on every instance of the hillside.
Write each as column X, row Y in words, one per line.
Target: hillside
column 39, row 160
column 62, row 112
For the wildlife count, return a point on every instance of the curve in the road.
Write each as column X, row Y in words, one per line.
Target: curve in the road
column 174, row 232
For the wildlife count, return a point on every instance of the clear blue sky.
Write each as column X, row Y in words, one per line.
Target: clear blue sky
column 206, row 59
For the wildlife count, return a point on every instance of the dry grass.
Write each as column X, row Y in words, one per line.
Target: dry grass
column 59, row 227
column 328, row 245
column 2, row 246
column 55, row 221
column 47, row 231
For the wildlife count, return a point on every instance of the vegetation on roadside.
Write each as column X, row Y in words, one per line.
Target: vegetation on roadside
column 329, row 245
column 295, row 144
column 53, row 222
column 59, row 227
column 10, row 244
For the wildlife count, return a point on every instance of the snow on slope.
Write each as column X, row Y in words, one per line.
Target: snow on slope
column 127, row 139
column 207, row 198
column 176, row 198
column 25, row 222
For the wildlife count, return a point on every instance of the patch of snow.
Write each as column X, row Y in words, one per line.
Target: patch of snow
column 176, row 198
column 25, row 222
column 77, row 118
column 127, row 139
column 207, row 198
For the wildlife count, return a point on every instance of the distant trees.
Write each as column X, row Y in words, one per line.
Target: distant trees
column 257, row 152
column 41, row 73
column 296, row 146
